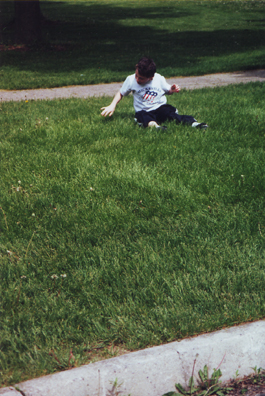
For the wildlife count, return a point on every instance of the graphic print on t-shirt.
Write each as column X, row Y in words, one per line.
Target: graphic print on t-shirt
column 149, row 95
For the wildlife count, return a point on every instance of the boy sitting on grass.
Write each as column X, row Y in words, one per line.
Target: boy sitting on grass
column 149, row 89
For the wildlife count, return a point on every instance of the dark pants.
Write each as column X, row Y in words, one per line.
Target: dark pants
column 162, row 114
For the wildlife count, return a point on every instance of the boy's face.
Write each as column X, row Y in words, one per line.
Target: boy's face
column 141, row 79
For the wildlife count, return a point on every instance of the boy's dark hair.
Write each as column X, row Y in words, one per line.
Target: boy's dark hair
column 146, row 67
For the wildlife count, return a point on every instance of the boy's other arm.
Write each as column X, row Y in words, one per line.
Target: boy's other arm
column 109, row 110
column 173, row 89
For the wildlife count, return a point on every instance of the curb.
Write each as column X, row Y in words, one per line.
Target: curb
column 154, row 371
column 85, row 91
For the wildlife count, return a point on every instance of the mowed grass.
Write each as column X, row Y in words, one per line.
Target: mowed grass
column 115, row 237
column 89, row 42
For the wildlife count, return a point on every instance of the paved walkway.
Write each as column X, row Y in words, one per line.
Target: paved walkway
column 85, row 91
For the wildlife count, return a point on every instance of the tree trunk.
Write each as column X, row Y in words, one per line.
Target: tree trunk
column 28, row 18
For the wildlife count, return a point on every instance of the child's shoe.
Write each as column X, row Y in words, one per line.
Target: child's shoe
column 153, row 124
column 199, row 125
column 202, row 125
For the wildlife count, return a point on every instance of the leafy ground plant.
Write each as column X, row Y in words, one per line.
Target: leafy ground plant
column 160, row 235
column 88, row 42
column 206, row 385
column 252, row 384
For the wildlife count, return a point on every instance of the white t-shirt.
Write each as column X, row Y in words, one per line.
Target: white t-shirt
column 148, row 96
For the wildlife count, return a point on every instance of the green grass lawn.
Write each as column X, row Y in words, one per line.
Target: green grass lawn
column 100, row 41
column 160, row 235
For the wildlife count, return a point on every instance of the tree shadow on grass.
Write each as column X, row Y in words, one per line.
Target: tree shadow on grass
column 112, row 38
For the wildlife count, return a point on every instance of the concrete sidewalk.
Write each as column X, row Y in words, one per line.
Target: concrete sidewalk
column 154, row 371
column 85, row 91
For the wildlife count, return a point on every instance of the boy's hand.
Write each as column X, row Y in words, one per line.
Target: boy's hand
column 109, row 110
column 173, row 89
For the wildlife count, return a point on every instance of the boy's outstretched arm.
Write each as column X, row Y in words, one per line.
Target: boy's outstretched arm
column 109, row 110
column 174, row 88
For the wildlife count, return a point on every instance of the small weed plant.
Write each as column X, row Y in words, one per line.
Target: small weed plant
column 207, row 386
column 259, row 374
column 115, row 389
